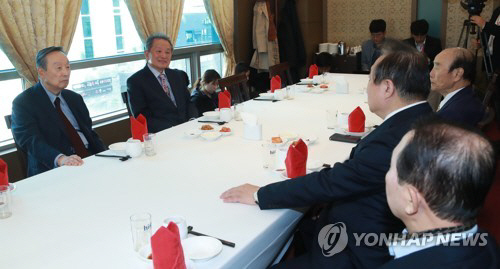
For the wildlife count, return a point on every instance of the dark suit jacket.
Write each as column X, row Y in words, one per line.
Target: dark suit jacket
column 464, row 107
column 431, row 49
column 491, row 28
column 146, row 97
column 355, row 191
column 452, row 257
column 39, row 131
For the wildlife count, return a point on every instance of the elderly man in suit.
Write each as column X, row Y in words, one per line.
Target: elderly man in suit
column 451, row 76
column 52, row 124
column 439, row 177
column 158, row 92
column 355, row 189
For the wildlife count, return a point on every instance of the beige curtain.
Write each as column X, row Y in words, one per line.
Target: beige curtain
column 221, row 13
column 27, row 26
column 156, row 16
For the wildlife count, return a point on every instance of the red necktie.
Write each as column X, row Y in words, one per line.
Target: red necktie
column 74, row 138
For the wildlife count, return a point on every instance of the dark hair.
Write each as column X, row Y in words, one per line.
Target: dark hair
column 451, row 165
column 409, row 73
column 41, row 56
column 209, row 76
column 419, row 27
column 377, row 26
column 241, row 68
column 392, row 45
column 151, row 39
column 324, row 59
column 464, row 59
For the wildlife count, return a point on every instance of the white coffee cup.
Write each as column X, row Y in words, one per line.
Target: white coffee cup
column 181, row 224
column 226, row 114
column 133, row 147
column 279, row 94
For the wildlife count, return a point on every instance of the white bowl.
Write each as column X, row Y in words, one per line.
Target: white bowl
column 314, row 165
column 193, row 133
column 211, row 135
column 118, row 147
column 211, row 115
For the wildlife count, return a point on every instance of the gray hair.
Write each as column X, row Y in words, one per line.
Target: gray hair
column 151, row 39
column 41, row 56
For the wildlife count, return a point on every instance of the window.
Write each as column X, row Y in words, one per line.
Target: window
column 118, row 25
column 213, row 61
column 196, row 27
column 9, row 89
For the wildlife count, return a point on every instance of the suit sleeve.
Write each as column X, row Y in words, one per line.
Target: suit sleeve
column 490, row 27
column 136, row 98
column 28, row 136
column 356, row 177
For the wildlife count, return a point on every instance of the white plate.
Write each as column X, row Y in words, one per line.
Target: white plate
column 288, row 136
column 201, row 248
column 211, row 115
column 118, row 147
column 284, row 175
column 314, row 165
column 144, row 253
column 211, row 135
column 306, row 80
column 354, row 133
column 309, row 140
column 193, row 133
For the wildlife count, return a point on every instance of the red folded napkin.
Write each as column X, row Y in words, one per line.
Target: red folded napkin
column 4, row 175
column 275, row 83
column 139, row 127
column 225, row 99
column 167, row 249
column 356, row 121
column 313, row 70
column 296, row 159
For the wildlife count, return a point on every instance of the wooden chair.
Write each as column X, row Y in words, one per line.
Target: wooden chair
column 21, row 154
column 125, row 100
column 283, row 70
column 237, row 86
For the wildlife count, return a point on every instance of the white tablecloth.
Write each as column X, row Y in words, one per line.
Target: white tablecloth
column 78, row 217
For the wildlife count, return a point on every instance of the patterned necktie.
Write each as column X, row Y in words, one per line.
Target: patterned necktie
column 165, row 87
column 74, row 138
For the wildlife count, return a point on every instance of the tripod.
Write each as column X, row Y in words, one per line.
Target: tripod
column 469, row 27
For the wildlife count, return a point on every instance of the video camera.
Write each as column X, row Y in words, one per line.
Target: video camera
column 474, row 7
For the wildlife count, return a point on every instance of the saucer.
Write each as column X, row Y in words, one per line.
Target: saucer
column 194, row 133
column 201, row 248
column 118, row 147
column 211, row 136
column 211, row 115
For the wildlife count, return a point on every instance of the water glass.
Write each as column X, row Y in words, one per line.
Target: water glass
column 5, row 202
column 331, row 118
column 149, row 144
column 268, row 153
column 140, row 224
column 290, row 93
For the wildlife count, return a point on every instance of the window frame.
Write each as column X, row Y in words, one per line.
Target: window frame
column 192, row 53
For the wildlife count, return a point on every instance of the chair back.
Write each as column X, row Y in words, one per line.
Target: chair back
column 21, row 154
column 237, row 86
column 283, row 70
column 490, row 90
column 125, row 100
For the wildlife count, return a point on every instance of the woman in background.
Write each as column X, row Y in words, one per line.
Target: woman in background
column 204, row 96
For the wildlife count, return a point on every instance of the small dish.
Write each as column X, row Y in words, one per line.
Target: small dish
column 306, row 80
column 201, row 248
column 118, row 147
column 288, row 136
column 210, row 136
column 193, row 133
column 314, row 165
column 207, row 129
column 283, row 141
column 309, row 140
column 228, row 131
column 211, row 115
column 267, row 95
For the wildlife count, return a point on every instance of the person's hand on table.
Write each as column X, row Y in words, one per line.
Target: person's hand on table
column 242, row 194
column 478, row 20
column 73, row 160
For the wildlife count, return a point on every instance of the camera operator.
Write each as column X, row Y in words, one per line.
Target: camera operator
column 492, row 28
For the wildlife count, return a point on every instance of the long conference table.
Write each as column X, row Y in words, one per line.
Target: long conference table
column 78, row 217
